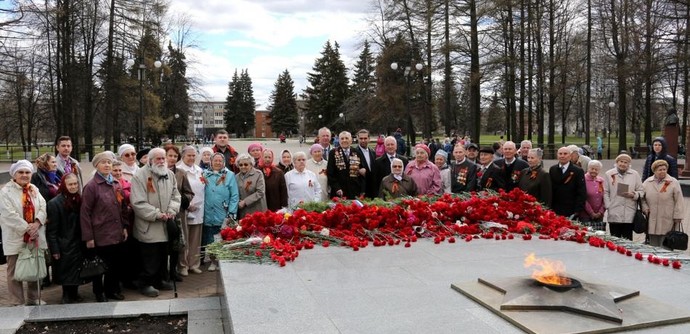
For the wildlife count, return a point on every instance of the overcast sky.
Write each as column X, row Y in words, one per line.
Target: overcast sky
column 266, row 37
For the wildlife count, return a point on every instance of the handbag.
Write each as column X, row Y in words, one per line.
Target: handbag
column 92, row 267
column 31, row 264
column 676, row 238
column 640, row 222
column 3, row 259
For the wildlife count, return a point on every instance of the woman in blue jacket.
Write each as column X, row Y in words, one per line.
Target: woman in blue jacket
column 221, row 197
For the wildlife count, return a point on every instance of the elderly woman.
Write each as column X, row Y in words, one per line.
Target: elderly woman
column 256, row 150
column 534, row 180
column 47, row 177
column 128, row 155
column 663, row 202
column 63, row 234
column 622, row 189
column 317, row 164
column 172, row 157
column 593, row 213
column 221, row 198
column 302, row 184
column 104, row 225
column 22, row 218
column 285, row 163
column 250, row 182
column 189, row 254
column 425, row 175
column 397, row 184
column 441, row 161
column 274, row 179
column 205, row 162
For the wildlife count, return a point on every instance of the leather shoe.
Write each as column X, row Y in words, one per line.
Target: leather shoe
column 166, row 286
column 177, row 278
column 101, row 298
column 149, row 291
column 115, row 296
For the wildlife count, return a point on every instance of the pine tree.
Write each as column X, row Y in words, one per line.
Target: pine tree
column 240, row 104
column 364, row 81
column 175, row 97
column 328, row 88
column 284, row 105
column 495, row 120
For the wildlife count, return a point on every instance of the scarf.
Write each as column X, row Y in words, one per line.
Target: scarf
column 28, row 209
column 108, row 179
column 52, row 177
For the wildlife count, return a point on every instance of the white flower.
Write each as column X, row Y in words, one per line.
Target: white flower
column 434, row 214
column 267, row 239
column 510, row 214
column 517, row 216
column 238, row 228
column 325, row 232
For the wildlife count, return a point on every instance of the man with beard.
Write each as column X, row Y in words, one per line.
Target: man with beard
column 368, row 162
column 472, row 152
column 155, row 199
column 489, row 175
column 511, row 166
column 463, row 173
column 345, row 171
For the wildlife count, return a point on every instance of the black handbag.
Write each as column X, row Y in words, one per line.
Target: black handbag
column 3, row 259
column 676, row 238
column 173, row 229
column 640, row 222
column 92, row 267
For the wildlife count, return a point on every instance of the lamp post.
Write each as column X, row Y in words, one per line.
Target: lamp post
column 608, row 151
column 172, row 128
column 409, row 72
column 344, row 120
column 141, row 72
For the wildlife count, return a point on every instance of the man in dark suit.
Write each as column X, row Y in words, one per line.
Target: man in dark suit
column 569, row 191
column 368, row 162
column 345, row 170
column 511, row 166
column 463, row 172
column 382, row 165
column 489, row 176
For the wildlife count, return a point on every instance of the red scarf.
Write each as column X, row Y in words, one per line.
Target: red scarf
column 27, row 209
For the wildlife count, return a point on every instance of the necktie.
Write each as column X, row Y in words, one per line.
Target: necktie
column 563, row 168
column 68, row 166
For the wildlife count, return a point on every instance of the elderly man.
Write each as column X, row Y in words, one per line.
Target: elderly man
column 489, row 176
column 525, row 146
column 463, row 172
column 382, row 165
column 155, row 199
column 22, row 218
column 345, row 170
column 222, row 145
column 568, row 188
column 66, row 164
column 325, row 141
column 511, row 166
column 580, row 160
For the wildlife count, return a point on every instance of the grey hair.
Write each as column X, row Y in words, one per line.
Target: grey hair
column 537, row 151
column 299, row 154
column 153, row 152
column 396, row 160
column 242, row 157
column 526, row 142
column 595, row 163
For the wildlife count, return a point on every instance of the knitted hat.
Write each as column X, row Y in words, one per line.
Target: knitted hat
column 316, row 147
column 423, row 147
column 205, row 149
column 124, row 148
column 658, row 163
column 253, row 146
column 623, row 157
column 442, row 153
column 102, row 156
column 21, row 165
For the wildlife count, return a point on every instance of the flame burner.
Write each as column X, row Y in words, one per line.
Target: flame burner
column 571, row 283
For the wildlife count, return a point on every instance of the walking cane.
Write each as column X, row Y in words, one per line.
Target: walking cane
column 38, row 270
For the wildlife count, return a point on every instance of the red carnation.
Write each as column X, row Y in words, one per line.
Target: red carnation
column 676, row 264
column 666, row 262
column 638, row 256
column 326, row 243
column 451, row 240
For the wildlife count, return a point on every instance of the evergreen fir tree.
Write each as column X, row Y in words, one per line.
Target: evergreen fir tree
column 240, row 104
column 328, row 88
column 284, row 105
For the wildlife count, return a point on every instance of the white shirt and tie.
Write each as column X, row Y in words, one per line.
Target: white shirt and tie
column 365, row 153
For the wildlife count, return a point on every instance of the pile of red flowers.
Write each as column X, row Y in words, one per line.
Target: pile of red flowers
column 278, row 237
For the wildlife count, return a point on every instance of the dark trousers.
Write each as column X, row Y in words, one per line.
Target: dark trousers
column 621, row 230
column 109, row 283
column 154, row 262
column 130, row 273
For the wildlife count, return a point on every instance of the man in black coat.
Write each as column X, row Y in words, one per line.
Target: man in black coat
column 511, row 166
column 345, row 170
column 382, row 165
column 568, row 186
column 489, row 176
column 463, row 172
column 369, row 157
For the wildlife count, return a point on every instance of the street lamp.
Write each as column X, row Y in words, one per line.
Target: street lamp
column 611, row 106
column 172, row 128
column 408, row 73
column 141, row 72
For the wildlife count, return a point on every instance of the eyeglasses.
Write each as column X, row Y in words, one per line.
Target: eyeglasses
column 243, row 165
column 396, row 166
column 129, row 155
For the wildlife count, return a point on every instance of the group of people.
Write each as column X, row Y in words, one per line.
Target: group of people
column 163, row 206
